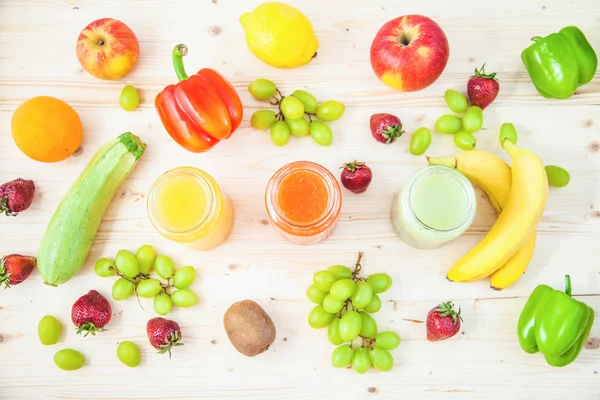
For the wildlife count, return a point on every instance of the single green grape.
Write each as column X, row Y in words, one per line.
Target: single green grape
column 331, row 110
column 127, row 264
column 262, row 89
column 315, row 295
column 323, row 280
column 164, row 267
column 420, row 141
column 319, row 318
column 508, row 131
column 148, row 288
column 280, row 133
column 342, row 289
column 292, row 107
column 321, row 133
column 557, row 176
column 387, row 340
column 379, row 282
column 122, row 289
column 129, row 99
column 374, row 305
column 361, row 362
column 163, row 303
column 381, row 359
column 69, row 359
column 362, row 296
column 308, row 100
column 350, row 325
column 448, row 124
column 105, row 267
column 340, row 271
column 368, row 327
column 465, row 141
column 473, row 119
column 145, row 256
column 332, row 305
column 455, row 101
column 49, row 330
column 184, row 298
column 184, row 277
column 342, row 356
column 263, row 119
column 333, row 332
column 298, row 127
column 129, row 353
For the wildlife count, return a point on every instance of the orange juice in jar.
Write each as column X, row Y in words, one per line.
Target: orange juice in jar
column 303, row 200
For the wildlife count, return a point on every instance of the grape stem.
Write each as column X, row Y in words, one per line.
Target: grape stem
column 358, row 266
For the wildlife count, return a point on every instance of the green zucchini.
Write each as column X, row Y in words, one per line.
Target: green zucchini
column 72, row 229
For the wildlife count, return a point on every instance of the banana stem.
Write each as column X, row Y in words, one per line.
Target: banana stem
column 509, row 146
column 445, row 161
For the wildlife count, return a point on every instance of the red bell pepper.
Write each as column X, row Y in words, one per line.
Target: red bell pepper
column 200, row 110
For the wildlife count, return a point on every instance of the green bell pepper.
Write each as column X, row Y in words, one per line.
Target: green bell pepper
column 555, row 324
column 561, row 62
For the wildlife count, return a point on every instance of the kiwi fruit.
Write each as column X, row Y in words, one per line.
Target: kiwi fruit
column 249, row 328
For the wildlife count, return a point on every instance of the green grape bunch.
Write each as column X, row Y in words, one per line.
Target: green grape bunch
column 344, row 304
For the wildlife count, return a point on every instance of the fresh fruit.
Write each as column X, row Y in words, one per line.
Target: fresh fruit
column 333, row 332
column 473, row 119
column 127, row 264
column 443, row 322
column 455, row 101
column 249, row 328
column 308, row 100
column 292, row 108
column 129, row 99
column 508, row 131
column 280, row 133
column 69, row 359
column 361, row 362
column 381, row 359
column 368, row 326
column 162, row 303
column 107, row 49
column 49, row 330
column 72, row 229
column 315, row 295
column 342, row 356
column 129, row 353
column 482, row 88
column 448, row 124
column 323, row 280
column 340, row 271
column 356, row 176
column 385, row 128
column 350, row 325
column 163, row 334
column 91, row 313
column 262, row 89
column 465, row 141
column 46, row 129
column 148, row 288
column 319, row 318
column 298, row 127
column 16, row 196
column 342, row 289
column 105, row 267
column 15, row 268
column 122, row 289
column 164, row 267
column 362, row 296
column 387, row 340
column 332, row 305
column 184, row 298
column 379, row 282
column 263, row 119
column 321, row 133
column 330, row 111
column 557, row 176
column 145, row 256
column 184, row 277
column 420, row 141
column 374, row 305
column 280, row 35
column 409, row 53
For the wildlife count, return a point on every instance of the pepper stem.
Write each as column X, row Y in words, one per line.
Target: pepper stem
column 536, row 39
column 179, row 52
column 568, row 285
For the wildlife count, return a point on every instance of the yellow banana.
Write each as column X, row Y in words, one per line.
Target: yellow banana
column 517, row 221
column 494, row 177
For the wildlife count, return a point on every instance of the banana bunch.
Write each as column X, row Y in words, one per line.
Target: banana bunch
column 519, row 196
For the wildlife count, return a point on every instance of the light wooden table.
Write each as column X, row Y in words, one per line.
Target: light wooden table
column 37, row 57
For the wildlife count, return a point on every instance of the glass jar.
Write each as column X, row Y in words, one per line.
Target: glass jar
column 303, row 200
column 436, row 204
column 186, row 205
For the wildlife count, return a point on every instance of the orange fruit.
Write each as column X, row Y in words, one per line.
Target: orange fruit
column 46, row 129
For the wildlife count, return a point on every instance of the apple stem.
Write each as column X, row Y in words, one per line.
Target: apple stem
column 101, row 42
column 178, row 53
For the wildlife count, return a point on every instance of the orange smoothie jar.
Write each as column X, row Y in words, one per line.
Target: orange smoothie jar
column 303, row 200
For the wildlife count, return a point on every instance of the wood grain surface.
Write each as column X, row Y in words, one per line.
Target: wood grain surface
column 37, row 57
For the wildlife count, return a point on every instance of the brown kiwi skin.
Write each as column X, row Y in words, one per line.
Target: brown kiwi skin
column 249, row 328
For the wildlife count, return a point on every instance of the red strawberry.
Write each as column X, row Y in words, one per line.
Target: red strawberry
column 443, row 322
column 15, row 268
column 16, row 196
column 386, row 128
column 482, row 88
column 163, row 334
column 90, row 313
column 356, row 176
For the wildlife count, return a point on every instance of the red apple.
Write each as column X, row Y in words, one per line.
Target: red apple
column 107, row 49
column 409, row 53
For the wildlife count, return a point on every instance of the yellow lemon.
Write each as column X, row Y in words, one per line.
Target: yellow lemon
column 280, row 35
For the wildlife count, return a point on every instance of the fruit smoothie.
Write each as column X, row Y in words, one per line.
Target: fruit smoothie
column 437, row 204
column 186, row 205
